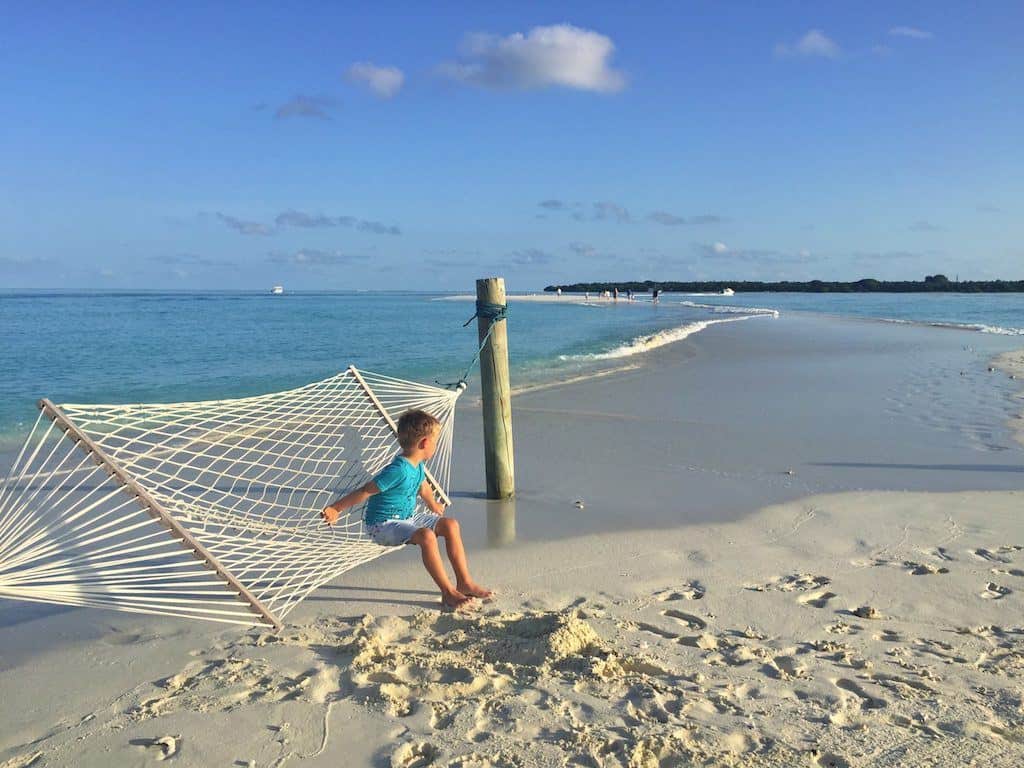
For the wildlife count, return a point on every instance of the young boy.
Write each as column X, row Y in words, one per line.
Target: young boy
column 391, row 502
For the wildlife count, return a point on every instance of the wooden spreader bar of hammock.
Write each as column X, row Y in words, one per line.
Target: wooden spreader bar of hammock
column 394, row 428
column 156, row 510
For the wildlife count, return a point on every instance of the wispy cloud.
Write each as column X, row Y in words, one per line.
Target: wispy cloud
column 990, row 209
column 385, row 82
column 885, row 255
column 190, row 260
column 311, row 257
column 377, row 227
column 32, row 262
column 315, row 107
column 609, row 211
column 912, row 32
column 303, row 220
column 671, row 220
column 556, row 56
column 553, row 205
column 925, row 226
column 814, row 43
column 529, row 257
column 585, row 250
column 719, row 250
column 244, row 227
column 590, row 252
column 451, row 258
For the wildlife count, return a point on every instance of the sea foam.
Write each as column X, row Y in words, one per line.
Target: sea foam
column 979, row 327
column 652, row 341
column 724, row 309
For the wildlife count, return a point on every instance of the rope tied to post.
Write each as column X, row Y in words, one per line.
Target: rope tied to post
column 492, row 312
column 488, row 311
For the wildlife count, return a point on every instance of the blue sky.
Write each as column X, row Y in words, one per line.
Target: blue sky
column 396, row 146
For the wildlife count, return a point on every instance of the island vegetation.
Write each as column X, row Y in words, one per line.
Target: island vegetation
column 930, row 284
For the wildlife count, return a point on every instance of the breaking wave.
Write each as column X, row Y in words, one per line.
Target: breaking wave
column 654, row 340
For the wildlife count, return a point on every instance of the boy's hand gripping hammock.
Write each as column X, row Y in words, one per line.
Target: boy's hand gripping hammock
column 210, row 509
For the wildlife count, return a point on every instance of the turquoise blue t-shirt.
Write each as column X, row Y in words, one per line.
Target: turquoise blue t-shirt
column 399, row 484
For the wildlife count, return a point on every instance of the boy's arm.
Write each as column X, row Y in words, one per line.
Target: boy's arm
column 427, row 494
column 333, row 511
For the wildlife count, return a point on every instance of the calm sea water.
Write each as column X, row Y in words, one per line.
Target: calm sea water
column 137, row 347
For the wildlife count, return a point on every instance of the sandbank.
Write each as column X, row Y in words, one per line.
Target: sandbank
column 800, row 543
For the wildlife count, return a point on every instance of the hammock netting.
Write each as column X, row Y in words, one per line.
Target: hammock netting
column 208, row 510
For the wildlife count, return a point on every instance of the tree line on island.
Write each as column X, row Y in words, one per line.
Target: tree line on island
column 931, row 284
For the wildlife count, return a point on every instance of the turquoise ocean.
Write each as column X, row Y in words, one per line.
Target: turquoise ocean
column 174, row 346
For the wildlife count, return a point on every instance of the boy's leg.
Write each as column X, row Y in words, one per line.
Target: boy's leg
column 448, row 527
column 425, row 539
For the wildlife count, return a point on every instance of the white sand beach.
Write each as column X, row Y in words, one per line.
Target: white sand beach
column 799, row 543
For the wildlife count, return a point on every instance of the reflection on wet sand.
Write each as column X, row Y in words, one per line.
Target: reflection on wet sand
column 501, row 523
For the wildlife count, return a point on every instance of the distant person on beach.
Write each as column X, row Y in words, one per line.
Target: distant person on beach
column 558, row 291
column 654, row 295
column 391, row 518
column 616, row 293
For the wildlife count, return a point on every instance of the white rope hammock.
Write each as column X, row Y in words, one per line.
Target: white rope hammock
column 208, row 510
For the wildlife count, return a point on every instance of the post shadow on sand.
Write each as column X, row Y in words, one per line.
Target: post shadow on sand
column 933, row 467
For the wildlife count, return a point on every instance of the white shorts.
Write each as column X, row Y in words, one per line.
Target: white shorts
column 395, row 533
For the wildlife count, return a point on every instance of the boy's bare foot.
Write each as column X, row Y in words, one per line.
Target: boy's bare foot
column 456, row 600
column 474, row 590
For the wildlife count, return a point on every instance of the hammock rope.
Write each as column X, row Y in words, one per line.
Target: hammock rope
column 207, row 510
column 492, row 313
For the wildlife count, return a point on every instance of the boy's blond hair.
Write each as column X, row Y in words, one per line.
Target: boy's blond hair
column 413, row 426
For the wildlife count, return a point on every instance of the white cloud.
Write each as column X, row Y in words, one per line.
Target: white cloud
column 914, row 32
column 305, row 106
column 383, row 81
column 813, row 43
column 560, row 55
column 720, row 248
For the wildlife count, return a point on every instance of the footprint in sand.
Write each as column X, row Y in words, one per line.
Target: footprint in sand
column 794, row 582
column 1008, row 571
column 688, row 620
column 829, row 760
column 990, row 556
column 816, row 599
column 414, row 754
column 995, row 592
column 867, row 700
column 691, row 590
column 889, row 636
column 785, row 668
column 911, row 567
column 656, row 630
column 922, row 569
column 840, row 627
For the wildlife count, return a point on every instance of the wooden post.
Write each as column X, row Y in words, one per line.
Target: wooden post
column 496, row 394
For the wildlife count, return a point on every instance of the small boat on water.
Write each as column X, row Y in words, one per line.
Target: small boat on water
column 277, row 290
column 728, row 292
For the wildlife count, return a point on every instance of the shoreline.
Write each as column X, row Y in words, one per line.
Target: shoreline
column 1012, row 363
